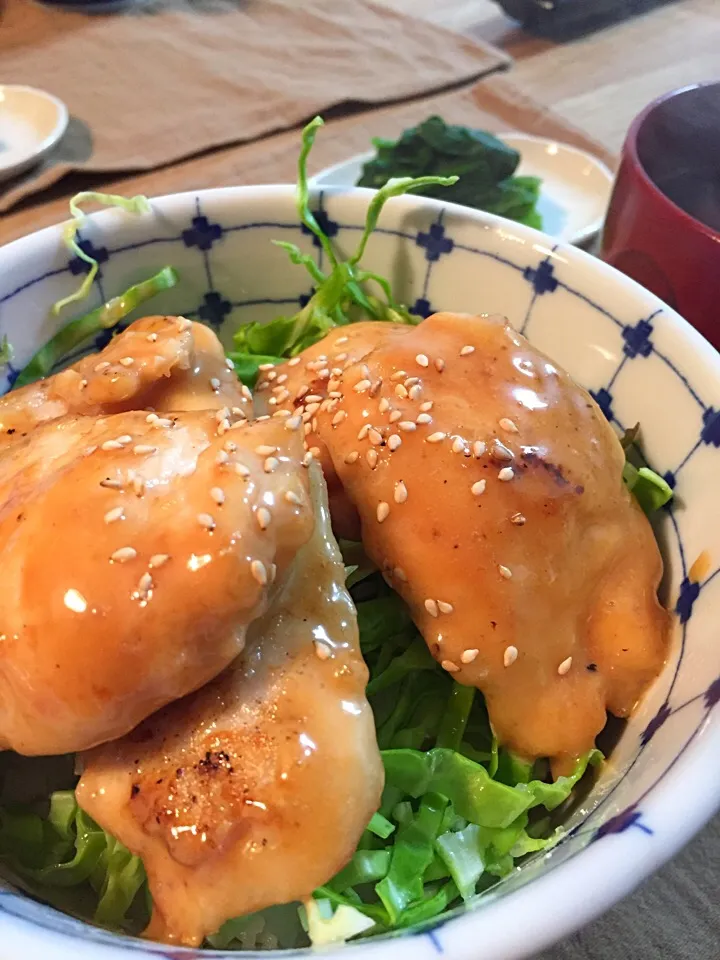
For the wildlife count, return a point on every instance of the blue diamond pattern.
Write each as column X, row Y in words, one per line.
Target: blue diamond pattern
column 434, row 242
column 214, row 308
column 622, row 822
column 670, row 479
column 77, row 265
column 711, row 427
column 603, row 398
column 12, row 375
column 689, row 592
column 712, row 694
column 329, row 227
column 657, row 721
column 422, row 307
column 637, row 339
column 542, row 278
column 202, row 234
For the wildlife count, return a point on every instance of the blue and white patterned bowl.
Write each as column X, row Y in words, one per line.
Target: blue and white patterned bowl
column 641, row 361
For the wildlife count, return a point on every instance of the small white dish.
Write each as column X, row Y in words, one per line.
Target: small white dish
column 31, row 123
column 574, row 196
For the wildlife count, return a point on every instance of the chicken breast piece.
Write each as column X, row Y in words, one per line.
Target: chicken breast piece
column 488, row 488
column 135, row 551
column 255, row 790
column 160, row 363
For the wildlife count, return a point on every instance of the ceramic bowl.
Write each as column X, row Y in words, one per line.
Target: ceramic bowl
column 32, row 122
column 641, row 362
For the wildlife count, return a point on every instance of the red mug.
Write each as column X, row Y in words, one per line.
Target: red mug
column 663, row 225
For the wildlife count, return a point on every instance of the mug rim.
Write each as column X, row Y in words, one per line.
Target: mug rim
column 630, row 149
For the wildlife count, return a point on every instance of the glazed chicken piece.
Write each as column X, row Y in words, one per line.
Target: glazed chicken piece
column 160, row 363
column 255, row 790
column 135, row 551
column 488, row 488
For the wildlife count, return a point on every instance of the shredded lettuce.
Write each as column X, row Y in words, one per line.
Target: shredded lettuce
column 82, row 328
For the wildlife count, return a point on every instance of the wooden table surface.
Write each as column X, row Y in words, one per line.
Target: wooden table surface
column 601, row 82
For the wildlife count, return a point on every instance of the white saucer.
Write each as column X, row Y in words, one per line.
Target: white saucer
column 574, row 196
column 31, row 123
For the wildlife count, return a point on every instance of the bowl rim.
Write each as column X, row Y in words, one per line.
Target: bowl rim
column 542, row 904
column 62, row 119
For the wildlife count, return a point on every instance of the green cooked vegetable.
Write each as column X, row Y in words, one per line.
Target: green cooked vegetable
column 82, row 328
column 650, row 490
column 483, row 163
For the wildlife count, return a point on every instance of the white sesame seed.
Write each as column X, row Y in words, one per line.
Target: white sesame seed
column 294, row 362
column 272, row 572
column 228, row 363
column 242, row 471
column 565, row 666
column 127, row 361
column 90, row 450
column 123, row 555
column 292, row 497
column 258, row 571
column 335, row 394
column 99, row 367
column 338, row 418
column 478, row 448
column 281, row 379
column 436, row 437
column 439, row 364
column 144, row 448
column 401, row 391
column 505, row 572
column 263, row 517
column 401, row 493
column 230, row 446
column 282, row 397
column 423, row 418
column 111, row 445
column 501, row 453
column 361, row 386
column 375, row 437
column 272, row 375
column 245, row 391
column 341, row 358
column 510, row 656
column 398, row 375
column 478, row 488
column 115, row 514
column 427, row 405
column 372, row 457
column 431, row 607
column 399, row 574
column 394, row 441
column 158, row 559
column 221, row 458
column 265, row 450
column 382, row 512
column 323, row 374
column 352, row 457
column 312, row 398
column 218, row 495
column 151, row 418
column 449, row 666
column 421, row 360
column 152, row 337
column 322, row 650
column 395, row 416
column 445, row 607
column 407, row 425
column 145, row 583
column 279, row 414
column 302, row 391
column 307, row 459
column 162, row 423
column 83, row 384
column 206, row 521
column 412, row 381
column 508, row 425
column 273, row 401
column 342, row 339
column 293, row 423
column 111, row 484
column 458, row 445
column 384, row 405
column 507, row 473
column 183, row 324
column 467, row 350
column 415, row 392
column 271, row 464
column 374, row 389
column 518, row 519
column 467, row 656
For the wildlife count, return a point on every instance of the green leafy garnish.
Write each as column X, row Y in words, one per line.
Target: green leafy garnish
column 342, row 295
column 650, row 490
column 82, row 328
column 484, row 165
column 6, row 351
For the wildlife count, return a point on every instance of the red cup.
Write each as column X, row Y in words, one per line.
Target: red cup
column 663, row 225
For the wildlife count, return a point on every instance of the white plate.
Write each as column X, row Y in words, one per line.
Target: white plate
column 574, row 196
column 31, row 123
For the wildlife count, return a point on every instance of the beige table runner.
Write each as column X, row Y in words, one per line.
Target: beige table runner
column 492, row 103
column 151, row 87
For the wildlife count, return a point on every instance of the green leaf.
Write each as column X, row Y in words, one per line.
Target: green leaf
column 77, row 331
column 134, row 205
column 247, row 365
column 650, row 490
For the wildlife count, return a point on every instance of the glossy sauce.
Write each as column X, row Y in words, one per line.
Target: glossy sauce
column 255, row 790
column 488, row 488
